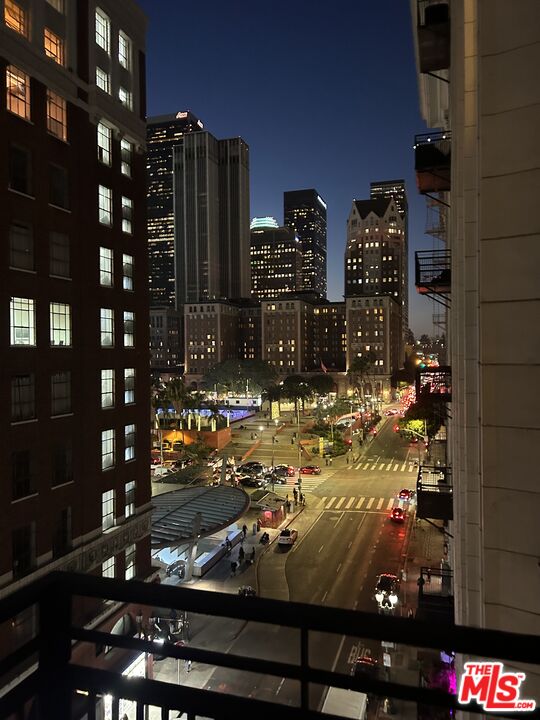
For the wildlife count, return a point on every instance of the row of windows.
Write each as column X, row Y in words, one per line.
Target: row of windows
column 104, row 149
column 23, row 324
column 108, row 387
column 103, row 39
column 108, row 568
column 16, row 18
column 22, row 255
column 108, row 447
column 105, row 209
column 106, row 269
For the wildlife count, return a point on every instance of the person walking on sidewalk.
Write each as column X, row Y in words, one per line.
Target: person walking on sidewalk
column 244, row 531
column 295, row 495
column 233, row 568
column 428, row 575
column 252, row 556
column 420, row 582
column 241, row 555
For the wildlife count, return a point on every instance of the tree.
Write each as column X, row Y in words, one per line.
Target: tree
column 359, row 370
column 321, row 384
column 274, row 393
column 241, row 376
column 296, row 388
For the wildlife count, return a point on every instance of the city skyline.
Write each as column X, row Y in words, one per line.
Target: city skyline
column 284, row 123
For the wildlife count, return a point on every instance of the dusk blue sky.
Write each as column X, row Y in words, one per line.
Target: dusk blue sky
column 324, row 94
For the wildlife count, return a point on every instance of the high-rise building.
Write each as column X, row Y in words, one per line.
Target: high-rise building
column 166, row 341
column 287, row 340
column 75, row 373
column 374, row 256
column 163, row 133
column 305, row 212
column 276, row 259
column 396, row 189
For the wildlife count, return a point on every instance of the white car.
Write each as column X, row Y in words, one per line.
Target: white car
column 287, row 537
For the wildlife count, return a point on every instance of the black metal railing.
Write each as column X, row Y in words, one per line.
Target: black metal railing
column 61, row 688
column 433, row 28
column 432, row 271
column 432, row 161
column 434, row 493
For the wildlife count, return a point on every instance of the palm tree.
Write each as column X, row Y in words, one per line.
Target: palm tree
column 359, row 370
column 274, row 393
column 175, row 395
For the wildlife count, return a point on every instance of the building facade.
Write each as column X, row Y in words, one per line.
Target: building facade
column 163, row 133
column 287, row 335
column 330, row 336
column 489, row 55
column 75, row 372
column 166, row 341
column 276, row 260
column 374, row 256
column 305, row 212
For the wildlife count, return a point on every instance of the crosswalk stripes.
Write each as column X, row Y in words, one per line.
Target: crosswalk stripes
column 348, row 505
column 370, row 503
column 390, row 504
column 344, row 503
column 386, row 466
column 339, row 503
column 360, row 503
column 380, row 503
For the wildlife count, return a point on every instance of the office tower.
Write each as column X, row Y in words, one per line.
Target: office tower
column 396, row 189
column 305, row 211
column 166, row 341
column 75, row 417
column 330, row 336
column 163, row 133
column 287, row 335
column 276, row 259
column 374, row 256
column 486, row 274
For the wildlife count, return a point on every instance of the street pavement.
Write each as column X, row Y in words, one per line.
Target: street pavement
column 345, row 540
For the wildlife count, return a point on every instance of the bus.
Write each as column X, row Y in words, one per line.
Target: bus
column 347, row 703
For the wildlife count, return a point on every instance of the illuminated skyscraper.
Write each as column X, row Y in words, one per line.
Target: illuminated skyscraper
column 163, row 133
column 276, row 259
column 305, row 211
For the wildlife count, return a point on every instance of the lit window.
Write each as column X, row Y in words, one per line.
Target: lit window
column 107, row 449
column 129, row 442
column 107, row 507
column 129, row 329
column 15, row 17
column 59, row 259
column 107, row 327
column 130, row 499
column 126, row 152
column 127, row 213
column 23, row 403
column 54, row 46
column 103, row 30
column 124, row 50
column 126, row 98
column 60, row 321
column 107, row 388
column 104, row 140
column 21, row 246
column 108, row 568
column 103, row 80
column 56, row 115
column 127, row 265
column 129, row 386
column 105, row 267
column 130, row 553
column 22, row 321
column 61, row 393
column 105, row 205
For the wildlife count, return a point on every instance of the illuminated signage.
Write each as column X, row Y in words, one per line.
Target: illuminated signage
column 199, row 123
column 181, row 115
column 319, row 198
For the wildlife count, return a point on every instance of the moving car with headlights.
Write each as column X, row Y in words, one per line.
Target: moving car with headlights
column 287, row 537
column 274, row 478
column 285, row 470
column 397, row 514
column 252, row 468
column 386, row 591
column 406, row 494
column 366, row 666
column 310, row 470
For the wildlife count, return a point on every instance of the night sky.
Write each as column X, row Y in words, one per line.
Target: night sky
column 324, row 94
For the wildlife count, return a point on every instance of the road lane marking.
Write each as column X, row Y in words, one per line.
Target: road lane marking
column 280, row 685
column 330, row 503
column 411, row 467
column 370, row 503
column 360, row 502
column 349, row 504
column 374, row 466
column 349, row 545
column 339, row 567
column 321, row 548
column 340, row 648
column 389, row 466
column 403, row 466
column 390, row 504
column 382, row 466
column 380, row 504
column 366, row 466
column 339, row 503
column 396, row 467
column 324, row 596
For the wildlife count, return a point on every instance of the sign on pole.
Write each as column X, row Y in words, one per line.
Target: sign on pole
column 274, row 410
column 387, row 662
column 321, row 446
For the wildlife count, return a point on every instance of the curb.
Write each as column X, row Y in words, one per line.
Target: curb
column 267, row 547
column 251, row 450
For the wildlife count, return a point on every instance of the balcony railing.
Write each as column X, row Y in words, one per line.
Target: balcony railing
column 57, row 685
column 432, row 161
column 436, row 595
column 434, row 383
column 433, row 27
column 434, row 493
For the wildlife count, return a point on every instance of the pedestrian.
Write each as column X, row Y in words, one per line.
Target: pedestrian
column 252, row 556
column 428, row 575
column 326, row 461
column 287, row 497
column 233, row 568
column 173, row 624
column 304, row 500
column 295, row 495
column 420, row 582
column 330, row 461
column 252, row 437
column 187, row 664
column 347, row 458
column 241, row 555
column 139, row 619
column 228, row 546
column 301, row 498
column 244, row 530
column 258, row 525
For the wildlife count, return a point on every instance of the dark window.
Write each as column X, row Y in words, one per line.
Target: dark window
column 62, row 537
column 23, row 402
column 61, row 393
column 22, row 476
column 21, row 246
column 59, row 258
column 62, row 465
column 20, row 169
column 58, row 186
column 23, row 550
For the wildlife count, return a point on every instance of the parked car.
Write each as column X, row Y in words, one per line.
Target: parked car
column 310, row 470
column 406, row 494
column 251, row 481
column 397, row 515
column 366, row 666
column 386, row 591
column 178, row 446
column 287, row 537
column 274, row 478
column 252, row 468
column 286, row 470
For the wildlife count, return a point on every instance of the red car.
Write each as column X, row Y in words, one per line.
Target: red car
column 310, row 470
column 397, row 515
column 406, row 494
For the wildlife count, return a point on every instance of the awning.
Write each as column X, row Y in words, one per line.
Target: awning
column 173, row 514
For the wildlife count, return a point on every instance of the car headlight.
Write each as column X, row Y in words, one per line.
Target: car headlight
column 379, row 597
column 393, row 599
